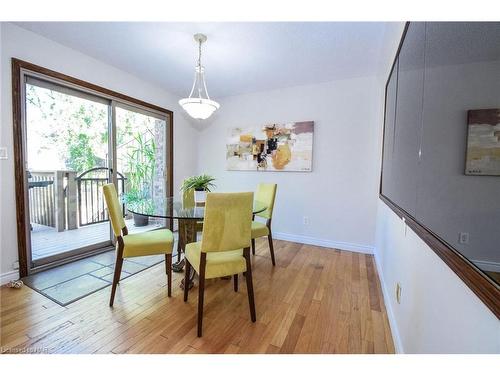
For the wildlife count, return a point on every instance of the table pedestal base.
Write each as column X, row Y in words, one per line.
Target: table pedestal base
column 178, row 266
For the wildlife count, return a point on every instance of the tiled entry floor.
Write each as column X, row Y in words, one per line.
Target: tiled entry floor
column 72, row 281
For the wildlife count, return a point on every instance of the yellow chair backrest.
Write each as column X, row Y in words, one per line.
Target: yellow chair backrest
column 188, row 198
column 228, row 221
column 114, row 209
column 265, row 195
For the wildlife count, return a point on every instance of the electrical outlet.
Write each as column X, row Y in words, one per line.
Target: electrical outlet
column 15, row 265
column 398, row 293
column 305, row 220
column 3, row 153
column 463, row 238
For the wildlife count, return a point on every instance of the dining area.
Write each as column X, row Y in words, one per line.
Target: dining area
column 145, row 220
column 226, row 224
column 292, row 187
column 206, row 276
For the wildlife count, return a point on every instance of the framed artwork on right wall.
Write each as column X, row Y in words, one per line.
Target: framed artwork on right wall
column 483, row 142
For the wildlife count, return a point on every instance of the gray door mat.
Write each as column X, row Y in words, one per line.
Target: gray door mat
column 70, row 282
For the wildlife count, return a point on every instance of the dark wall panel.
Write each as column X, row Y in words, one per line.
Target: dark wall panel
column 443, row 70
column 408, row 118
column 461, row 73
column 388, row 183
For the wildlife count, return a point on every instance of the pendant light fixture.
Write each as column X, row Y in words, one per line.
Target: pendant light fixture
column 198, row 105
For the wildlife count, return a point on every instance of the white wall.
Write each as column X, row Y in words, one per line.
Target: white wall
column 438, row 312
column 339, row 195
column 3, row 163
column 25, row 45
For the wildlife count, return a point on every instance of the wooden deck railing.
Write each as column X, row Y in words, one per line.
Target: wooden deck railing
column 63, row 200
column 52, row 199
column 91, row 205
column 41, row 198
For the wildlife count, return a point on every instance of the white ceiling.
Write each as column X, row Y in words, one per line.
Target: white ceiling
column 238, row 57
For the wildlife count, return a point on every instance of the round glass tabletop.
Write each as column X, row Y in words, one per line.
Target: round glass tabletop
column 170, row 208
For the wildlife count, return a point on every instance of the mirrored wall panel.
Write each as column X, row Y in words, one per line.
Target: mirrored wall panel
column 408, row 120
column 445, row 168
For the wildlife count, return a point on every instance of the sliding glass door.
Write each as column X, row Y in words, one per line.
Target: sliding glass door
column 141, row 156
column 75, row 141
column 67, row 153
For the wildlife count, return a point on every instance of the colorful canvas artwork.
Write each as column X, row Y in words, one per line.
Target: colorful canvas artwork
column 272, row 147
column 483, row 142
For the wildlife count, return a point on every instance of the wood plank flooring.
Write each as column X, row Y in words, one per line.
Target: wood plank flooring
column 315, row 300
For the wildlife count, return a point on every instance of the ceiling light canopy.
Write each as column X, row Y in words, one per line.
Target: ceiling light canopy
column 198, row 105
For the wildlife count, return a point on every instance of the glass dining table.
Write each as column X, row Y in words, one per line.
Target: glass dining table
column 189, row 218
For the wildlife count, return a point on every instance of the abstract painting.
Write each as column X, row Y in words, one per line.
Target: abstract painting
column 483, row 142
column 271, row 147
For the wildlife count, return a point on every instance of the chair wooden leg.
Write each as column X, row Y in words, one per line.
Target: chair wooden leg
column 201, row 292
column 251, row 300
column 271, row 247
column 168, row 269
column 253, row 246
column 187, row 270
column 235, row 278
column 118, row 271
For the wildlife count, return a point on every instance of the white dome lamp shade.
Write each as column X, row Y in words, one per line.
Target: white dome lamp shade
column 199, row 107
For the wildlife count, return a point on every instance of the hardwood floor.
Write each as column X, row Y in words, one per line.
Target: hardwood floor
column 315, row 300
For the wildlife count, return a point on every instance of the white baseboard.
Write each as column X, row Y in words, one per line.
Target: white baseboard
column 8, row 276
column 365, row 249
column 398, row 345
column 487, row 266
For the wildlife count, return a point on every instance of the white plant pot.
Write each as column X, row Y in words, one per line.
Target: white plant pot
column 200, row 196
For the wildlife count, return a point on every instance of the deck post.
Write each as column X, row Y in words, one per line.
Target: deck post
column 71, row 202
column 59, row 200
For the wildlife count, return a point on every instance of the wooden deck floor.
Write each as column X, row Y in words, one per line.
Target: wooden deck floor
column 46, row 241
column 315, row 300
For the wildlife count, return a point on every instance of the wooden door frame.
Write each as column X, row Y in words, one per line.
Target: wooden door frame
column 18, row 67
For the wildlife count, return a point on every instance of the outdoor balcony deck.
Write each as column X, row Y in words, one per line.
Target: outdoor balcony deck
column 47, row 241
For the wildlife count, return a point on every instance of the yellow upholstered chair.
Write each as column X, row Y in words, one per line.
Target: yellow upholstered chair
column 224, row 249
column 266, row 193
column 134, row 245
column 188, row 198
column 188, row 201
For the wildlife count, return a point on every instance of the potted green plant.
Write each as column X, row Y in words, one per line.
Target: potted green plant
column 140, row 176
column 134, row 197
column 200, row 184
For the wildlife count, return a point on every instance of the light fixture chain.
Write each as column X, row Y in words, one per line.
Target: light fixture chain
column 199, row 53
